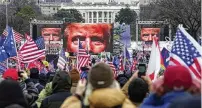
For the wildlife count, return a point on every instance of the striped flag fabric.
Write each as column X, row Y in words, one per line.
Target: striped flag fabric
column 113, row 68
column 133, row 66
column 121, row 67
column 187, row 52
column 62, row 60
column 83, row 57
column 2, row 67
column 17, row 35
column 29, row 51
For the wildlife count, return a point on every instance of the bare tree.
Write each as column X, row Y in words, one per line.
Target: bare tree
column 186, row 12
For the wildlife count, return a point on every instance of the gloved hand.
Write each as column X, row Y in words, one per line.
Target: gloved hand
column 24, row 75
column 81, row 86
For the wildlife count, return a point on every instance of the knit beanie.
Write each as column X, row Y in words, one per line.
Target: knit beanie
column 177, row 78
column 74, row 73
column 101, row 75
column 34, row 73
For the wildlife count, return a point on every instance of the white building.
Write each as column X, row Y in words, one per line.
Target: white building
column 93, row 11
column 4, row 1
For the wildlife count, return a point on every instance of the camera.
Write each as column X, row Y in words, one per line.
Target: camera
column 142, row 67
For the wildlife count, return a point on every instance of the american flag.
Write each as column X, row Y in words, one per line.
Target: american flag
column 29, row 51
column 83, row 57
column 121, row 67
column 113, row 68
column 133, row 66
column 2, row 67
column 62, row 60
column 187, row 52
column 17, row 36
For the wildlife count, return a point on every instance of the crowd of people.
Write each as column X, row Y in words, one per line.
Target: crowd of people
column 96, row 87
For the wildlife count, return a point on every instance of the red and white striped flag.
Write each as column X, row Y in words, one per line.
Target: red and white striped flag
column 29, row 51
column 121, row 68
column 133, row 67
column 17, row 36
column 83, row 57
column 113, row 68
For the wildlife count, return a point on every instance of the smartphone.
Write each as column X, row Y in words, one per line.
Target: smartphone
column 142, row 70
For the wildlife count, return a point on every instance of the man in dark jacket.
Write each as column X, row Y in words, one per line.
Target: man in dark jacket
column 34, row 77
column 61, row 86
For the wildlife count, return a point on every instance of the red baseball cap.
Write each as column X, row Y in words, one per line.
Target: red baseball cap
column 11, row 73
column 177, row 77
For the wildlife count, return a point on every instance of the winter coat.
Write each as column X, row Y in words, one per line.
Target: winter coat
column 47, row 91
column 30, row 92
column 37, row 84
column 153, row 101
column 187, row 102
column 101, row 98
column 61, row 86
column 14, row 106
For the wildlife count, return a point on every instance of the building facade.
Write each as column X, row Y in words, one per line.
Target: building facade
column 93, row 11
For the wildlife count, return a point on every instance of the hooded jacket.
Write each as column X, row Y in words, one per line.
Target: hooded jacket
column 61, row 86
column 163, row 102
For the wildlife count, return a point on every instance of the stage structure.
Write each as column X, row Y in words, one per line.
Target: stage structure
column 149, row 23
column 48, row 29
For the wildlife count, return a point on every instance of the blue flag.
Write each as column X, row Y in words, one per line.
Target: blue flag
column 40, row 42
column 127, row 54
column 116, row 61
column 165, row 55
column 2, row 39
column 9, row 44
column 3, row 54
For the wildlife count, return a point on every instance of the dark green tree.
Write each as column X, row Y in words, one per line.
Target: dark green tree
column 126, row 15
column 26, row 13
column 19, row 14
column 69, row 15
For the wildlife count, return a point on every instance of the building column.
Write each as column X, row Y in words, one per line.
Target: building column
column 103, row 16
column 114, row 16
column 88, row 17
column 108, row 17
column 92, row 16
column 97, row 16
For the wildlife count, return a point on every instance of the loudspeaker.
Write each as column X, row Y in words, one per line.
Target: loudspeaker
column 166, row 31
column 34, row 32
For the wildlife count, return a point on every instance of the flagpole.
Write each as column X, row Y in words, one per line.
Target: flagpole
column 16, row 52
column 77, row 58
column 124, row 59
column 7, row 27
column 6, row 14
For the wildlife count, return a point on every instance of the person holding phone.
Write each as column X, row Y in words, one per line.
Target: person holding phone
column 137, row 87
column 101, row 91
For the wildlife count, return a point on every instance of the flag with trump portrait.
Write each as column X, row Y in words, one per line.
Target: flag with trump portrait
column 187, row 52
